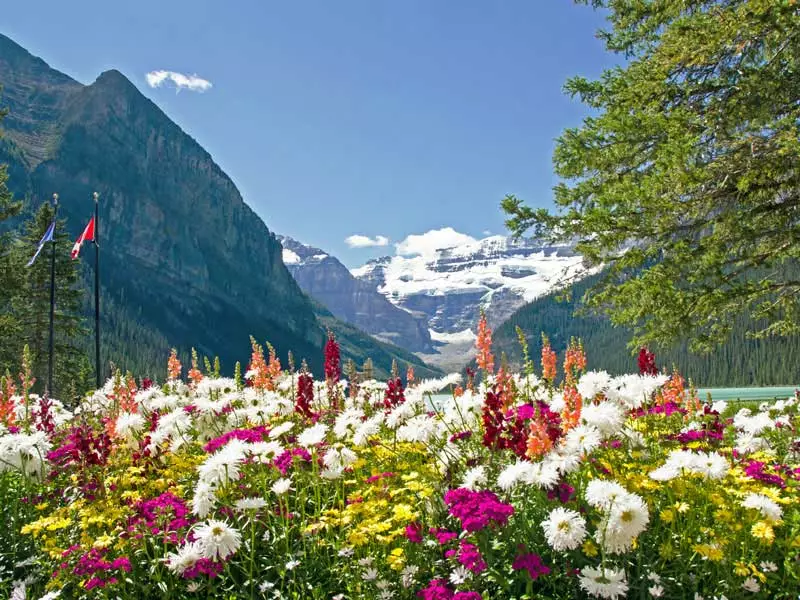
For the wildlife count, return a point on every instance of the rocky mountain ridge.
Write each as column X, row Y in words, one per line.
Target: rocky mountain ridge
column 182, row 252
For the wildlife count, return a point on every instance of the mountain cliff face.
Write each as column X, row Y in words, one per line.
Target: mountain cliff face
column 327, row 280
column 180, row 248
column 451, row 285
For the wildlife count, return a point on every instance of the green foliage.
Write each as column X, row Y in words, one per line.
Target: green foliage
column 29, row 308
column 684, row 179
column 742, row 362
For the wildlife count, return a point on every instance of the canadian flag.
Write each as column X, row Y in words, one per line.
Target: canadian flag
column 88, row 234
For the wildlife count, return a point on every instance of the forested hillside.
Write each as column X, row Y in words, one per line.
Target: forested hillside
column 740, row 362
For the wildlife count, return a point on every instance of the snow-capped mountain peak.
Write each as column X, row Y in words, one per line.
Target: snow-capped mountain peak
column 450, row 276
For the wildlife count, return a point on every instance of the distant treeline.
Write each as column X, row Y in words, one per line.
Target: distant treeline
column 741, row 361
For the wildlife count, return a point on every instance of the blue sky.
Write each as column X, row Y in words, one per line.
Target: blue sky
column 372, row 117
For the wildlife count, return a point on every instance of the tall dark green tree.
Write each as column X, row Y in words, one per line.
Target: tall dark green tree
column 9, row 278
column 685, row 179
column 31, row 308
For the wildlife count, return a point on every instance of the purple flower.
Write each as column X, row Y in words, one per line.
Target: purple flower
column 563, row 491
column 467, row 596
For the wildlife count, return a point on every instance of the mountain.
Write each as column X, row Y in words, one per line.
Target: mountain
column 740, row 362
column 449, row 277
column 327, row 280
column 185, row 261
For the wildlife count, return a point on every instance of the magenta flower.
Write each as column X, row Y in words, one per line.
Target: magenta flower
column 255, row 434
column 442, row 535
column 414, row 533
column 476, row 510
column 470, row 557
column 531, row 563
column 437, row 590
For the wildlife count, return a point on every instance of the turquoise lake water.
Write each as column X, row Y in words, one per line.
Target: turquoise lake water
column 742, row 393
column 748, row 393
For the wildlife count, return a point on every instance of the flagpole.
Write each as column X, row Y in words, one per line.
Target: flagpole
column 97, row 288
column 52, row 301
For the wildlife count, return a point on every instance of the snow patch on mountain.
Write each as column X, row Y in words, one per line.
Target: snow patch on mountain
column 454, row 338
column 290, row 258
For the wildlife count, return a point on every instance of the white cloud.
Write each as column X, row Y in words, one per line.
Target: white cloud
column 181, row 81
column 363, row 241
column 426, row 244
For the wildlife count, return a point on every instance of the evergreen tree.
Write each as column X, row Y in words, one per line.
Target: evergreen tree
column 685, row 180
column 9, row 277
column 31, row 307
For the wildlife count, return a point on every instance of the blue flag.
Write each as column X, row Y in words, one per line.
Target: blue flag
column 48, row 237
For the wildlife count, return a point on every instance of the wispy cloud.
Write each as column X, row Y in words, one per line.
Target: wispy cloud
column 363, row 241
column 181, row 81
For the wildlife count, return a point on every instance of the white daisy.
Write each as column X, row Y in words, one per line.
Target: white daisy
column 223, row 466
column 513, row 474
column 459, row 575
column 768, row 507
column 582, row 439
column 603, row 494
column 564, row 529
column 543, row 475
column 292, row 564
column 626, row 519
column 407, row 575
column 204, row 499
column 281, row 486
column 367, row 429
column 279, row 430
column 751, row 585
column 185, row 558
column 128, row 425
column 604, row 583
column 656, row 591
column 768, row 566
column 250, row 504
column 313, row 435
column 266, row 451
column 607, row 417
column 711, row 465
column 474, row 478
column 217, row 539
column 593, row 383
column 370, row 574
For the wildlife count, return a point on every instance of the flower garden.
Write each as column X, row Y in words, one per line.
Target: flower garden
column 549, row 483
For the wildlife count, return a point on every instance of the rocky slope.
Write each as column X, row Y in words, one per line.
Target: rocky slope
column 327, row 280
column 180, row 247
